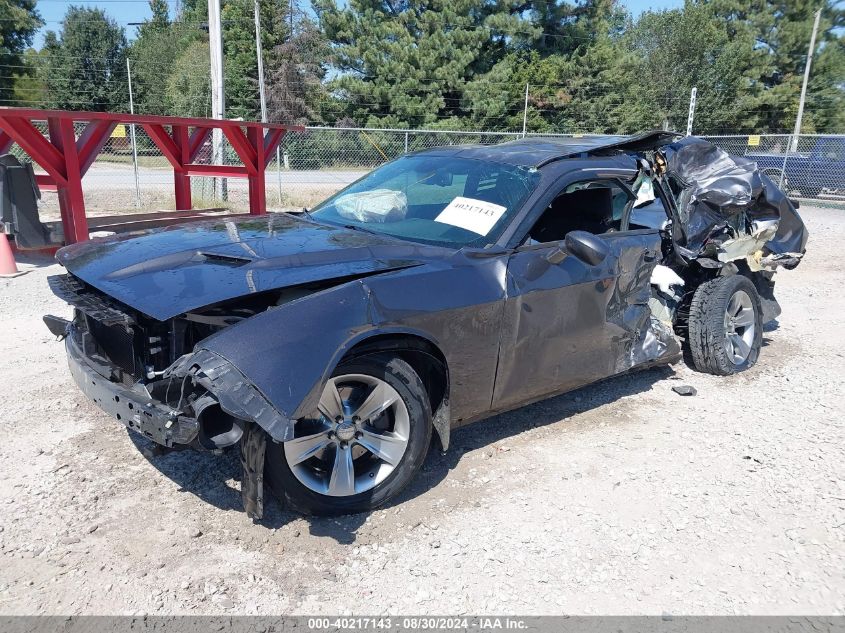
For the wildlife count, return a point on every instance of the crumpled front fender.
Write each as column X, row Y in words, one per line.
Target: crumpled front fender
column 297, row 345
column 237, row 395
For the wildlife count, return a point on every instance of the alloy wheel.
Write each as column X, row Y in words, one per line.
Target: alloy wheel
column 740, row 327
column 354, row 441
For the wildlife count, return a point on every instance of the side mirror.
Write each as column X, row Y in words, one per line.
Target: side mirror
column 586, row 247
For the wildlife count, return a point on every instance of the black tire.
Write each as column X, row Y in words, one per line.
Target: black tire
column 706, row 339
column 401, row 376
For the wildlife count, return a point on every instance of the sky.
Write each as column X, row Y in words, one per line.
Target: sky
column 127, row 11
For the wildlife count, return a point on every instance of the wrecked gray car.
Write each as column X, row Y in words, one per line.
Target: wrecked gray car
column 443, row 287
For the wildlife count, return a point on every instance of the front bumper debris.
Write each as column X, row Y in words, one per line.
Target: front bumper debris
column 131, row 406
column 134, row 407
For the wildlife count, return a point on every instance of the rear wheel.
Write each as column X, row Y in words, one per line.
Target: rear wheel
column 362, row 446
column 725, row 326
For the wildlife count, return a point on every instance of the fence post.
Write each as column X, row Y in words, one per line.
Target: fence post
column 785, row 156
column 525, row 113
column 132, row 135
column 691, row 114
column 406, row 142
column 279, row 172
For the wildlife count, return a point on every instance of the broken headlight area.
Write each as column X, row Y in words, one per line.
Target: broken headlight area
column 164, row 386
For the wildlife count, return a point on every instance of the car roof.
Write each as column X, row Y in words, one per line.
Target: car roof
column 537, row 151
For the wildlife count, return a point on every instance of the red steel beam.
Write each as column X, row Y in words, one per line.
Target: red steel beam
column 198, row 138
column 32, row 141
column 71, row 199
column 91, row 142
column 164, row 142
column 220, row 171
column 40, row 115
column 271, row 142
column 45, row 182
column 66, row 159
column 257, row 194
column 181, row 179
column 243, row 147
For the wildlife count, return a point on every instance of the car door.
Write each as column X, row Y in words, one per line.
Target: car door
column 568, row 322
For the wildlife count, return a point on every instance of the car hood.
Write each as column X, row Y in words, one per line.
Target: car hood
column 170, row 271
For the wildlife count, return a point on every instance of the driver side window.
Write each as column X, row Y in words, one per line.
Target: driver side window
column 596, row 207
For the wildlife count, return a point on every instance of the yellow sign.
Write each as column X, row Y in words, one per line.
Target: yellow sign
column 119, row 131
column 753, row 140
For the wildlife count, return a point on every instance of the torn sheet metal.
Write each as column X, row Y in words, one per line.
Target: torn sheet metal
column 569, row 323
column 663, row 278
column 664, row 302
column 729, row 209
column 749, row 246
column 649, row 339
column 237, row 395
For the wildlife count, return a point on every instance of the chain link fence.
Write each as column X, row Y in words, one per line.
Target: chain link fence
column 319, row 161
column 809, row 166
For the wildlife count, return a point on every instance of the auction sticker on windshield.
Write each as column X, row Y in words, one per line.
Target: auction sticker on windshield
column 473, row 215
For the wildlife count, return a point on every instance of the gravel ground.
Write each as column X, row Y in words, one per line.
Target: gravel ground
column 621, row 498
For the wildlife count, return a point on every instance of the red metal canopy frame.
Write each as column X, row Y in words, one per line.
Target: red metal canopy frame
column 66, row 157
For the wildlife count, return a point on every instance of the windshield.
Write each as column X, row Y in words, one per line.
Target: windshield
column 442, row 200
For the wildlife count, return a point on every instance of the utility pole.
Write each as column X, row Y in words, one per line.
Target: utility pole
column 691, row 114
column 525, row 113
column 292, row 8
column 218, row 94
column 797, row 130
column 261, row 94
column 132, row 137
column 260, row 58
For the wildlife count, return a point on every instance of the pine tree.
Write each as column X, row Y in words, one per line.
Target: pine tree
column 781, row 32
column 240, row 63
column 152, row 55
column 406, row 63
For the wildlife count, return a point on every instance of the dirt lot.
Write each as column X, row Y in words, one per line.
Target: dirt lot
column 620, row 498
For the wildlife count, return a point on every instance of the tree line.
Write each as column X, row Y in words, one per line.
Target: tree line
column 589, row 66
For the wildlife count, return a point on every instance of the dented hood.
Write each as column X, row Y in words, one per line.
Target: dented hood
column 170, row 271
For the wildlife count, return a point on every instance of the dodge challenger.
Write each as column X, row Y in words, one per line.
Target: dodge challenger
column 329, row 346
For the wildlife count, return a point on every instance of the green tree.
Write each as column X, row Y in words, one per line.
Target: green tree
column 826, row 90
column 294, row 76
column 30, row 90
column 188, row 88
column 781, row 32
column 408, row 62
column 85, row 64
column 240, row 62
column 587, row 87
column 686, row 48
column 158, row 44
column 19, row 21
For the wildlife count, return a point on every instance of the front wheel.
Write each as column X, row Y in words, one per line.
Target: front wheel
column 725, row 326
column 362, row 446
